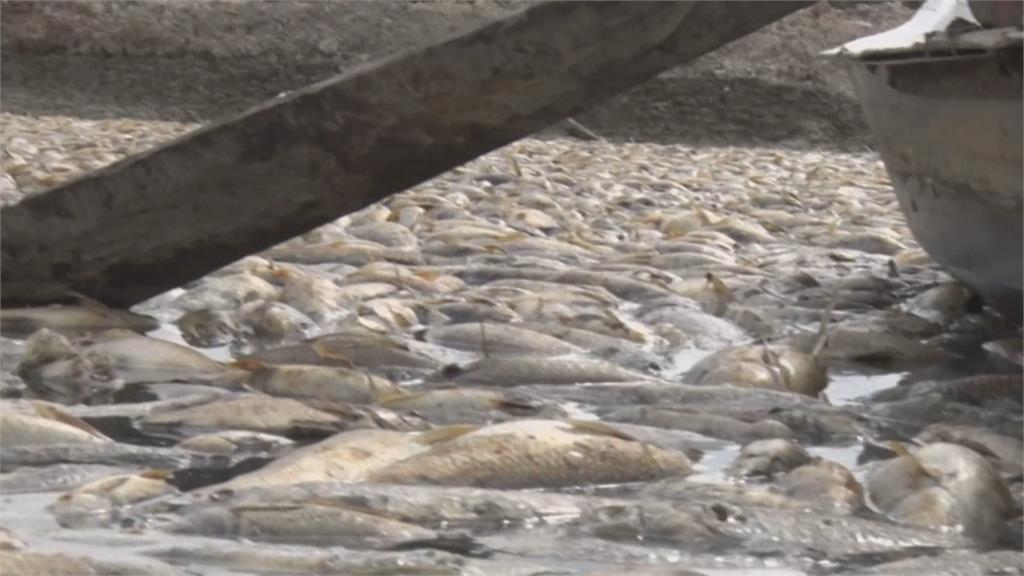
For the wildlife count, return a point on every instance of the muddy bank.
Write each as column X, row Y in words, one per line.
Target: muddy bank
column 204, row 61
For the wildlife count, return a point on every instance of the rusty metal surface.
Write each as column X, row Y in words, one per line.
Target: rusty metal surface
column 950, row 133
column 160, row 219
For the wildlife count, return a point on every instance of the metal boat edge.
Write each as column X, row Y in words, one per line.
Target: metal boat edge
column 943, row 96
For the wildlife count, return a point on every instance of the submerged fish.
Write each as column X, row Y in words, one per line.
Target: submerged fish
column 470, row 405
column 824, row 482
column 497, row 339
column 761, row 366
column 26, row 563
column 95, row 503
column 943, row 485
column 253, row 412
column 88, row 315
column 769, row 457
column 321, row 382
column 230, row 442
column 693, row 419
column 45, row 425
column 355, row 348
column 320, row 523
column 516, row 371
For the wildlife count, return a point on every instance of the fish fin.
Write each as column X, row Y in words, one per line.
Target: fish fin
column 157, row 473
column 88, row 302
column 386, row 399
column 441, row 435
column 899, row 448
column 248, row 364
column 821, row 342
column 324, row 351
column 58, row 415
column 598, row 429
column 429, row 275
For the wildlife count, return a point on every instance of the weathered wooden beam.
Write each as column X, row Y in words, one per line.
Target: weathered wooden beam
column 162, row 218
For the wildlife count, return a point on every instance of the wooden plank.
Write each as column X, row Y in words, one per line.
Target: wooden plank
column 165, row 217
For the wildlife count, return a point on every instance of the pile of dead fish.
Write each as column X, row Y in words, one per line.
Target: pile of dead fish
column 541, row 363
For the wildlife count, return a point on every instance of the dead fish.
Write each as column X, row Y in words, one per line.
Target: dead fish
column 940, row 305
column 470, row 406
column 96, row 503
column 1011, row 349
column 44, row 347
column 387, row 315
column 914, row 413
column 8, row 542
column 349, row 349
column 1004, row 452
column 25, row 563
column 55, row 478
column 951, row 562
column 109, row 453
column 866, row 345
column 53, row 369
column 707, row 424
column 139, row 359
column 620, row 351
column 681, row 262
column 47, row 426
column 206, row 328
column 943, row 485
column 823, row 481
column 387, row 234
column 86, row 316
column 273, row 321
column 768, row 458
column 517, row 371
column 697, row 329
column 353, row 252
column 230, row 442
column 345, row 457
column 571, row 294
column 869, row 242
column 680, row 525
column 423, row 505
column 226, row 292
column 311, row 523
column 253, row 412
column 773, row 367
column 737, row 494
column 316, row 297
column 466, row 312
column 322, row 382
column 183, row 396
column 425, row 281
column 497, row 340
column 275, row 273
column 783, row 531
column 365, row 291
column 261, row 559
column 619, row 286
column 987, row 390
column 534, row 454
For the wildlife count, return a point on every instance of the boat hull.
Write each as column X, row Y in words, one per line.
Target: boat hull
column 949, row 129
